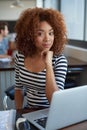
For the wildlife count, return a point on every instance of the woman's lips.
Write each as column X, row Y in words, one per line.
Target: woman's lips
column 46, row 45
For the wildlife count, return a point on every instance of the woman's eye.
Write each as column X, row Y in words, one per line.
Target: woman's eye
column 39, row 33
column 51, row 33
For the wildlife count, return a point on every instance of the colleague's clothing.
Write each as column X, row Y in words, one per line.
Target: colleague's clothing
column 3, row 46
column 34, row 83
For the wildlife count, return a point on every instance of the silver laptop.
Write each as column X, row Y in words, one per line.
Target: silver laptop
column 67, row 107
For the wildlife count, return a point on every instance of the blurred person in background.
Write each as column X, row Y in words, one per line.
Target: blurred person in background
column 12, row 45
column 4, row 42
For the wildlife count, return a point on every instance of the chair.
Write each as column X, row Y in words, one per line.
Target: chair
column 9, row 93
column 70, row 83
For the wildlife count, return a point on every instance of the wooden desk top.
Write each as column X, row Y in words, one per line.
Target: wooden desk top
column 78, row 126
column 6, row 66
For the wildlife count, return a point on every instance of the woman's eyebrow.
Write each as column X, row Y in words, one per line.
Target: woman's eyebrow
column 42, row 30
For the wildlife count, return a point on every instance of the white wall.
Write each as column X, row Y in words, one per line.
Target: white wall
column 7, row 13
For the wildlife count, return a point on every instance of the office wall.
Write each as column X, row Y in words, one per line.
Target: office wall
column 8, row 13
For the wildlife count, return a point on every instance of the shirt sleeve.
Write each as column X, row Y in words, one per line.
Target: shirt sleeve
column 60, row 71
column 17, row 72
column 6, row 41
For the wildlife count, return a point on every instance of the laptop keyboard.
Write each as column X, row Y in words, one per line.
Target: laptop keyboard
column 41, row 121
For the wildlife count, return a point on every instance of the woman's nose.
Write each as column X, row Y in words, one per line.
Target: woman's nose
column 46, row 37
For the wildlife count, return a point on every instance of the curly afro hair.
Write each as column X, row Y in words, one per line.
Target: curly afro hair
column 28, row 24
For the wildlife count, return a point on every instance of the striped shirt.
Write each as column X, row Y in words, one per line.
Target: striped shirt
column 34, row 83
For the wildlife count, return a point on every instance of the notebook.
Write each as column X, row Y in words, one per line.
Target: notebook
column 7, row 119
column 67, row 107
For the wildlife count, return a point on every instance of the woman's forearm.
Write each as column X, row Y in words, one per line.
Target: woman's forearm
column 51, row 85
column 19, row 98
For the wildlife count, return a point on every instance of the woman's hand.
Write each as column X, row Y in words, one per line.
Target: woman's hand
column 47, row 57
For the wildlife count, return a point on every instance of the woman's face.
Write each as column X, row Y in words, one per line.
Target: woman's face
column 44, row 37
column 5, row 32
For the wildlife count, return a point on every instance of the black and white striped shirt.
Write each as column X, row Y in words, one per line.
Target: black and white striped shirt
column 34, row 83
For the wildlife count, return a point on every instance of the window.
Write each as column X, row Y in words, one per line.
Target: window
column 73, row 11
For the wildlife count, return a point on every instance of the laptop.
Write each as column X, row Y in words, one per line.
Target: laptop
column 67, row 107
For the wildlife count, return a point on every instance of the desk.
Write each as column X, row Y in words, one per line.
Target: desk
column 79, row 126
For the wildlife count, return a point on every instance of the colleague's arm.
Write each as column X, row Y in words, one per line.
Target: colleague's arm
column 5, row 56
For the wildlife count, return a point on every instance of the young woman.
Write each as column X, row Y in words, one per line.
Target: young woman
column 40, row 64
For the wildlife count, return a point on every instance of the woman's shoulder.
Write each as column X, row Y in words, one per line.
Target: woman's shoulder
column 60, row 60
column 19, row 55
column 59, row 57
